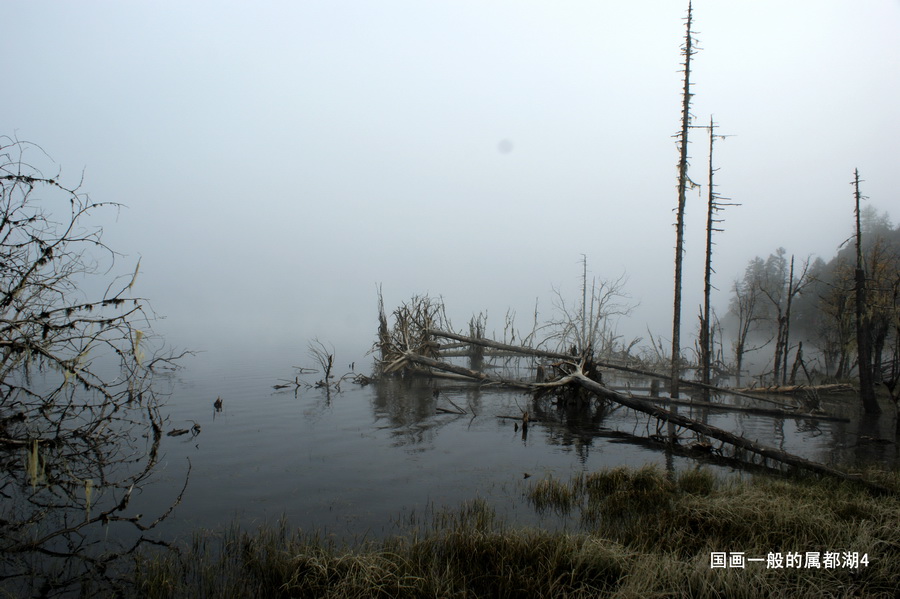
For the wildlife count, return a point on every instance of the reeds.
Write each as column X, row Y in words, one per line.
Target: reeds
column 645, row 533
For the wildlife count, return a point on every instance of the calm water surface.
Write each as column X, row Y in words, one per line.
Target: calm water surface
column 352, row 464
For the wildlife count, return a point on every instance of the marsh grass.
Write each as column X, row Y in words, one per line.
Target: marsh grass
column 675, row 521
column 644, row 533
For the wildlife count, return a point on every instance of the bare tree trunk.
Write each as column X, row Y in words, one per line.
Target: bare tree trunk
column 863, row 332
column 707, row 276
column 786, row 346
column 687, row 51
column 779, row 348
column 878, row 341
column 798, row 362
column 476, row 352
column 713, row 206
column 746, row 313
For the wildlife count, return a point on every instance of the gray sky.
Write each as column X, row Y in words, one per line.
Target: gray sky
column 278, row 159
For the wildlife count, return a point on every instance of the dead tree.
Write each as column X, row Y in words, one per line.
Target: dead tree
column 687, row 51
column 745, row 305
column 863, row 328
column 590, row 329
column 782, row 344
column 408, row 333
column 714, row 205
column 76, row 392
column 779, row 285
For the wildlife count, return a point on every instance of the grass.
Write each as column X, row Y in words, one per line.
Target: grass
column 644, row 533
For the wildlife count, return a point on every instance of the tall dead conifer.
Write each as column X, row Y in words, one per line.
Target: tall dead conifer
column 687, row 51
column 713, row 206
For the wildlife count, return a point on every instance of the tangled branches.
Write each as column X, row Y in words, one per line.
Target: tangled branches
column 79, row 419
column 409, row 333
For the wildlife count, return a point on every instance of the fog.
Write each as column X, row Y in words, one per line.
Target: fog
column 279, row 160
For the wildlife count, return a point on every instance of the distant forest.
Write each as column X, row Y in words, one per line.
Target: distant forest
column 795, row 318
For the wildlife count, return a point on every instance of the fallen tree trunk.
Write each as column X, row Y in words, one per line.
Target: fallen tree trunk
column 717, row 433
column 467, row 372
column 788, row 389
column 750, row 410
column 659, row 413
column 529, row 351
column 560, row 356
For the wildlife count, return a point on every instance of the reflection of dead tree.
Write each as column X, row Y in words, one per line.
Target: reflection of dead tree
column 75, row 389
column 456, row 409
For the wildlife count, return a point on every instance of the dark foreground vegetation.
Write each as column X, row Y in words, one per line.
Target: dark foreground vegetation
column 636, row 533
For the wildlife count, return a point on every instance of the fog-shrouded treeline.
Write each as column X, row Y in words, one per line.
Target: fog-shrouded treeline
column 792, row 318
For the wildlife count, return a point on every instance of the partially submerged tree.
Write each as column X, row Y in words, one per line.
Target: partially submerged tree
column 79, row 420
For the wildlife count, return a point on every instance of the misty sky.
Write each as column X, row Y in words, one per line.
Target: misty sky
column 280, row 159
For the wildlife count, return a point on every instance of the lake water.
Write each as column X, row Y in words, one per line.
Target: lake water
column 355, row 463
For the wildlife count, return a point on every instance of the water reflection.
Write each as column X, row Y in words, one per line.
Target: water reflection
column 352, row 461
column 415, row 410
column 573, row 425
column 409, row 409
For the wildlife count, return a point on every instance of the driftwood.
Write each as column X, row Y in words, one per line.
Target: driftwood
column 528, row 351
column 640, row 405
